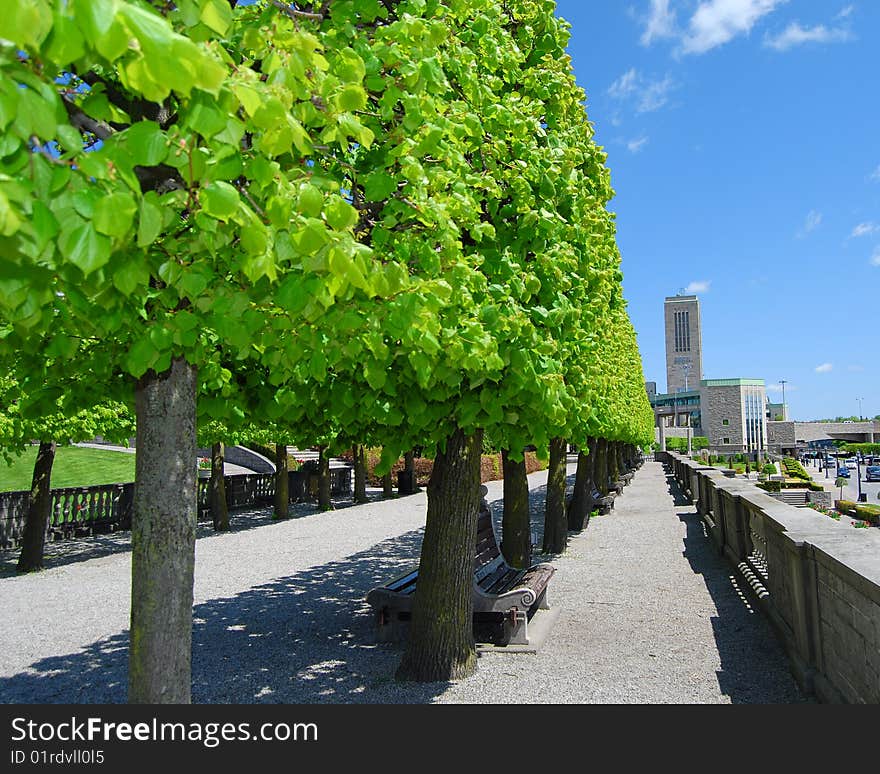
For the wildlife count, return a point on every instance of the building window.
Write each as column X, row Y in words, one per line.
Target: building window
column 725, row 441
column 725, row 421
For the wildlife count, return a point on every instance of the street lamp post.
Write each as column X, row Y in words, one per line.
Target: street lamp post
column 782, row 382
column 863, row 498
column 860, row 408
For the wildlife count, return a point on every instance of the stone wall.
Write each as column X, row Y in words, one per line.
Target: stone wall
column 817, row 580
column 717, row 405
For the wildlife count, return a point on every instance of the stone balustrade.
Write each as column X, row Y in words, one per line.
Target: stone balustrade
column 816, row 579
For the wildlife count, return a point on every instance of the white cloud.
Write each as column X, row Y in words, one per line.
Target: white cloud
column 865, row 229
column 715, row 22
column 875, row 175
column 855, row 368
column 654, row 95
column 845, row 12
column 660, row 24
column 811, row 223
column 634, row 146
column 624, row 85
column 648, row 94
column 795, row 35
column 824, row 368
column 698, row 286
column 875, row 259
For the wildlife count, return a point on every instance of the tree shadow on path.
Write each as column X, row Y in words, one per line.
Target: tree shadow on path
column 306, row 638
column 754, row 667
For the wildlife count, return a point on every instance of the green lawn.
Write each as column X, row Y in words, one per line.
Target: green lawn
column 74, row 466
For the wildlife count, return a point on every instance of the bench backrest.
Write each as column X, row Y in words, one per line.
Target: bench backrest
column 487, row 550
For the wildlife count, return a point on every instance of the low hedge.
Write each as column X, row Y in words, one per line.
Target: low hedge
column 863, row 511
column 778, row 486
column 490, row 467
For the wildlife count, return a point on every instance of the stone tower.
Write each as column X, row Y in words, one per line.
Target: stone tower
column 684, row 343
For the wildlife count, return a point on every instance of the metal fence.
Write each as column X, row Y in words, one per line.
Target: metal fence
column 83, row 511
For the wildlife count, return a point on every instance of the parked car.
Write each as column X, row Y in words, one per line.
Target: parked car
column 872, row 473
column 843, row 470
column 851, row 462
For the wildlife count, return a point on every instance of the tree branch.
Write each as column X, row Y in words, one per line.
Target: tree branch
column 294, row 14
column 86, row 123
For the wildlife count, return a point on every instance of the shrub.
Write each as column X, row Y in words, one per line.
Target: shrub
column 769, row 469
column 771, row 486
column 868, row 513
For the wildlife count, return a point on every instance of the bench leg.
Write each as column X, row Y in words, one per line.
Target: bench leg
column 517, row 623
column 390, row 627
column 543, row 604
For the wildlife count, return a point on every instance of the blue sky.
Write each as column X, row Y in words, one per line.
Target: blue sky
column 743, row 138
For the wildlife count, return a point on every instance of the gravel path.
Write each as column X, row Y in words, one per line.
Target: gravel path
column 648, row 614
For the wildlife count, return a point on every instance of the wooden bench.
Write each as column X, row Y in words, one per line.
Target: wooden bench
column 505, row 599
column 602, row 503
column 627, row 477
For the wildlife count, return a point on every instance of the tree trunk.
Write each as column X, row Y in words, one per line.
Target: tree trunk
column 441, row 638
column 33, row 539
column 359, row 452
column 324, row 480
column 581, row 502
column 387, row 485
column 613, row 473
column 555, row 523
column 282, row 482
column 163, row 537
column 516, row 536
column 219, row 510
column 406, row 479
column 600, row 471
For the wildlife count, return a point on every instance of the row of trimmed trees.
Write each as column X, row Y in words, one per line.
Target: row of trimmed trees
column 349, row 223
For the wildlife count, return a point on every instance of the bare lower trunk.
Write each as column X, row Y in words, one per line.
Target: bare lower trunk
column 324, row 480
column 163, row 537
column 555, row 523
column 581, row 502
column 613, row 472
column 359, row 453
column 406, row 479
column 441, row 639
column 33, row 539
column 516, row 536
column 387, row 485
column 601, row 468
column 282, row 483
column 219, row 510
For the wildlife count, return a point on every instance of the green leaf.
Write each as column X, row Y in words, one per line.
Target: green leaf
column 69, row 138
column 130, row 276
column 349, row 66
column 378, row 186
column 219, row 200
column 217, row 14
column 114, row 214
column 149, row 220
column 146, row 143
column 27, row 24
column 340, row 214
column 351, row 98
column 85, row 248
column 204, row 115
column 140, row 357
column 310, row 201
